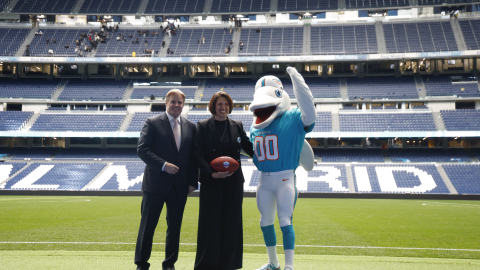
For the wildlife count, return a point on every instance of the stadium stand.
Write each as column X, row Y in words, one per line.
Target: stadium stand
column 62, row 37
column 323, row 122
column 327, row 179
column 293, row 5
column 240, row 6
column 8, row 169
column 464, row 178
column 13, row 120
column 11, row 39
column 138, row 120
column 382, row 87
column 21, row 153
column 406, row 178
column 110, row 7
column 44, row 6
column 199, row 117
column 375, row 3
column 28, row 88
column 343, row 39
column 188, row 42
column 387, row 122
column 428, row 155
column 115, row 109
column 273, row 41
column 349, row 155
column 143, row 92
column 182, row 6
column 419, row 37
column 120, row 48
column 443, row 86
column 94, row 90
column 471, row 33
column 56, row 109
column 78, row 122
column 95, row 153
column 461, row 119
column 246, row 119
column 122, row 176
column 58, row 176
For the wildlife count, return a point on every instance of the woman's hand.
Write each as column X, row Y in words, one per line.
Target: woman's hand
column 221, row 174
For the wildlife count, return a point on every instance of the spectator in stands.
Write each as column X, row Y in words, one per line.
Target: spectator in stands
column 140, row 32
column 146, row 42
column 136, row 40
column 173, row 32
column 170, row 175
column 67, row 46
column 168, row 50
column 220, row 213
column 124, row 39
column 116, row 27
column 48, row 41
column 163, row 44
column 103, row 41
column 152, row 34
column 27, row 51
column 231, row 42
column 54, row 41
column 156, row 33
column 90, row 38
column 77, row 42
column 203, row 40
column 130, row 36
column 161, row 27
column 40, row 32
column 241, row 45
column 169, row 32
column 226, row 49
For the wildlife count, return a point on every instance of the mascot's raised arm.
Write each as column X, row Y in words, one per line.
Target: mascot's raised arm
column 278, row 136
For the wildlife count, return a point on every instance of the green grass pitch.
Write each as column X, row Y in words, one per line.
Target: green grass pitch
column 48, row 231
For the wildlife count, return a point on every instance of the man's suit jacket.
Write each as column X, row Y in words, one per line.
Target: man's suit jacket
column 208, row 148
column 157, row 146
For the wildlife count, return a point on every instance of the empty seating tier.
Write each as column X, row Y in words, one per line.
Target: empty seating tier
column 464, row 178
column 349, row 155
column 323, row 122
column 443, row 86
column 246, row 119
column 471, row 33
column 175, row 6
column 20, row 153
column 429, row 155
column 78, row 122
column 28, row 88
column 240, row 6
column 189, row 42
column 353, row 4
column 466, row 120
column 238, row 89
column 273, row 41
column 419, row 37
column 346, row 39
column 382, row 87
column 146, row 92
column 95, row 153
column 109, row 6
column 387, row 122
column 11, row 39
column 45, row 6
column 94, row 90
column 13, row 120
column 138, row 120
column 306, row 5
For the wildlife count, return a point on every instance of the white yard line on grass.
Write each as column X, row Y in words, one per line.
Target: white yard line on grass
column 251, row 245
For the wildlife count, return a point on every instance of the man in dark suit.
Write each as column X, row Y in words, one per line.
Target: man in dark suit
column 165, row 145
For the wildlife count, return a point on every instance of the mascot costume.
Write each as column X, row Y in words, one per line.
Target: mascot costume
column 278, row 136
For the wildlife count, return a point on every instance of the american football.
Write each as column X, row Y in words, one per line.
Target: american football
column 224, row 164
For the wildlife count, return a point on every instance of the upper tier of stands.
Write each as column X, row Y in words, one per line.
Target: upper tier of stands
column 13, row 121
column 220, row 6
column 138, row 120
column 376, row 3
column 94, row 90
column 120, row 48
column 471, row 33
column 142, row 92
column 323, row 122
column 175, row 6
column 188, row 42
column 419, row 37
column 387, row 122
column 272, row 41
column 346, row 39
column 58, row 39
column 28, row 88
column 382, row 87
column 461, row 119
column 45, row 6
column 108, row 6
column 77, row 122
column 443, row 86
column 11, row 39
column 286, row 5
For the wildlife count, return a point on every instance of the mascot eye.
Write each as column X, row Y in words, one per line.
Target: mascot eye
column 278, row 93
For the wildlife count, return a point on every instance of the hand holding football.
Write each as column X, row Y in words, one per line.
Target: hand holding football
column 224, row 164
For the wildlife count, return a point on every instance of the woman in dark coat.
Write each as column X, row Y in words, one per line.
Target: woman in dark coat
column 220, row 229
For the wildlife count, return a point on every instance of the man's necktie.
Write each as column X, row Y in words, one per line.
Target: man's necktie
column 176, row 132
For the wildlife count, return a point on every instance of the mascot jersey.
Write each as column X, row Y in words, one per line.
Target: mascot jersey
column 277, row 147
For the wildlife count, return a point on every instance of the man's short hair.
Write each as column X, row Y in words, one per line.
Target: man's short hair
column 174, row 91
column 213, row 101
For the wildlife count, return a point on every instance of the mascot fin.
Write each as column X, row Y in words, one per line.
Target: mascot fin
column 306, row 157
